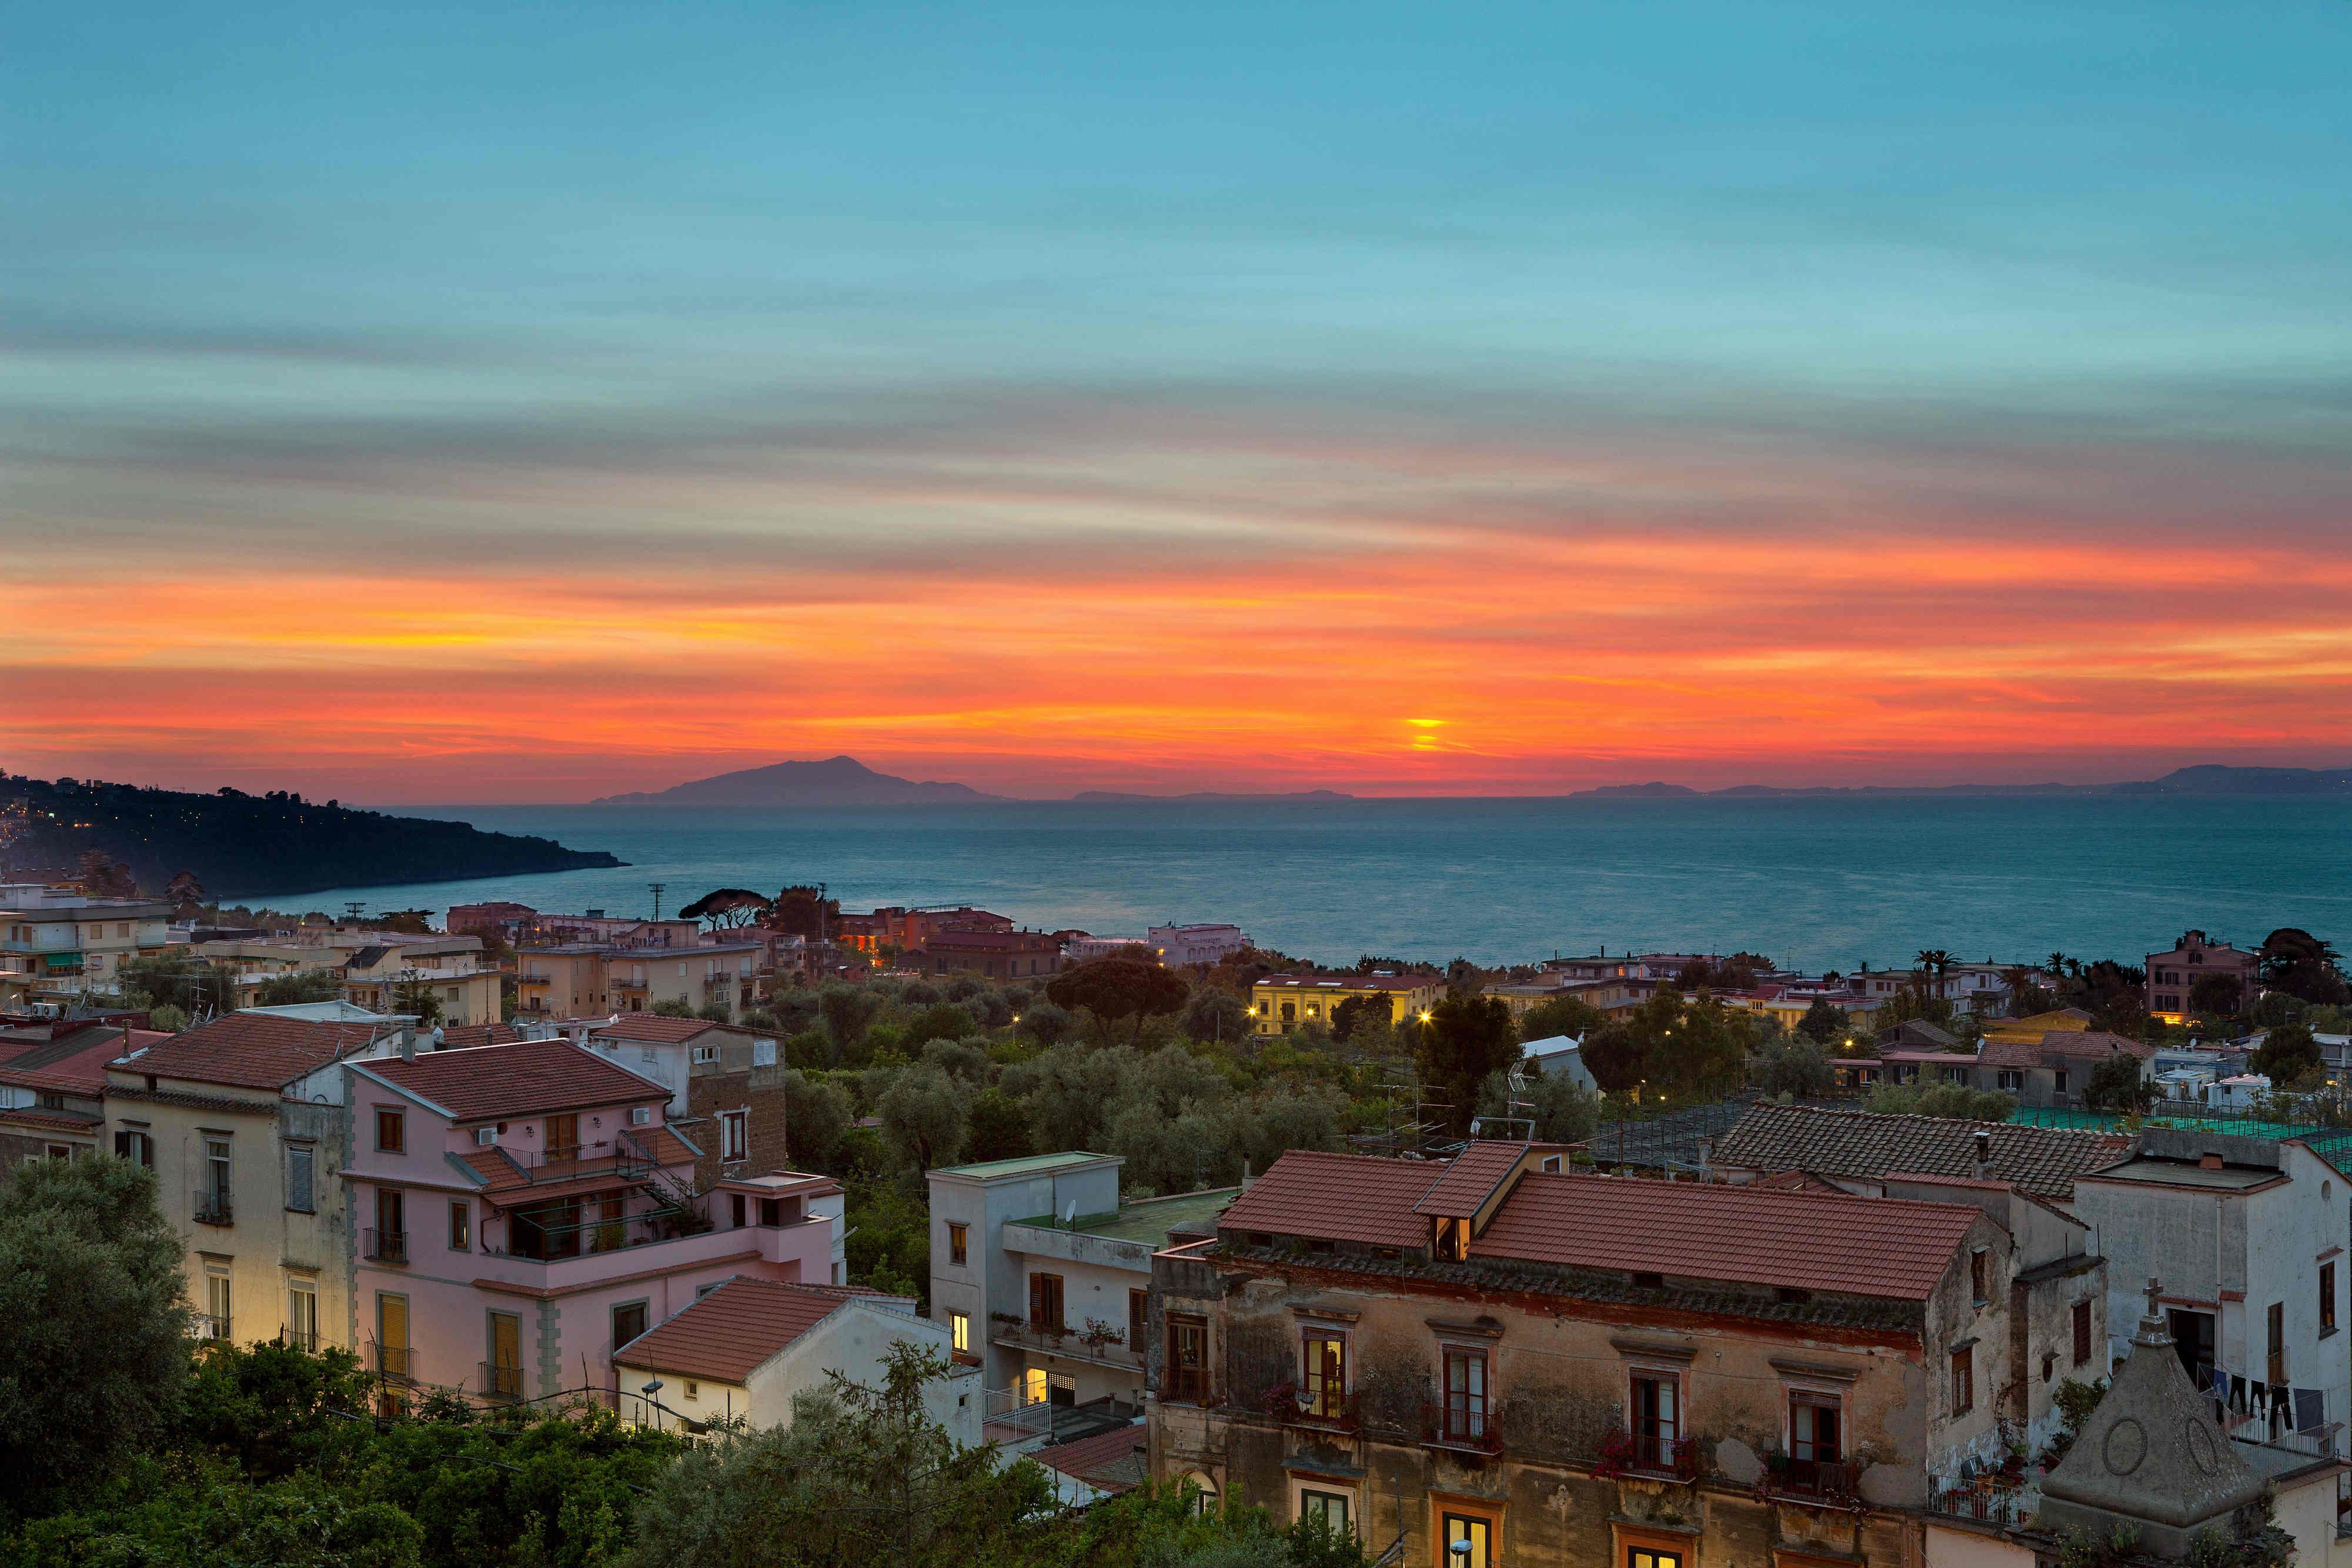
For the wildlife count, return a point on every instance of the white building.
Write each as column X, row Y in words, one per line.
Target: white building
column 1562, row 1054
column 1205, row 944
column 2247, row 1236
column 1043, row 1279
column 59, row 944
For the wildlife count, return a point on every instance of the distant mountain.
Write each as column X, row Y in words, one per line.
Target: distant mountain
column 836, row 782
column 2206, row 778
column 245, row 846
column 1213, row 795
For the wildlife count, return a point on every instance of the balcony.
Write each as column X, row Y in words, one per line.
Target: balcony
column 534, row 980
column 384, row 1246
column 806, row 1244
column 1817, row 1480
column 211, row 1207
column 628, row 987
column 502, row 1384
column 1069, row 1344
column 1319, row 1410
column 1187, row 1386
column 1646, row 1455
column 297, row 1339
column 1987, row 1505
column 204, row 1325
column 392, row 1362
column 1465, row 1429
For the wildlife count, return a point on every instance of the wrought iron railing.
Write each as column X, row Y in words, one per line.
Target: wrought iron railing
column 396, row 1362
column 501, row 1382
column 1458, row 1425
column 213, row 1207
column 1187, row 1386
column 384, row 1246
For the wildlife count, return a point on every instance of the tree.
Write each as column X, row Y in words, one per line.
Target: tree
column 186, row 893
column 1046, row 1024
column 1463, row 1041
column 2288, row 1056
column 2216, row 995
column 1216, row 1014
column 728, row 908
column 181, row 979
column 1356, row 1014
column 93, row 1326
column 2116, row 1084
column 1570, row 1016
column 817, row 1119
column 803, row 912
column 672, row 1007
column 2296, row 962
column 1703, row 1048
column 1827, row 1024
column 1794, row 1064
column 1117, row 987
column 923, row 1116
column 300, row 986
column 419, row 999
column 941, row 1020
column 848, row 1011
column 1954, row 1100
column 1559, row 1109
column 102, row 876
column 998, row 1128
column 1936, row 963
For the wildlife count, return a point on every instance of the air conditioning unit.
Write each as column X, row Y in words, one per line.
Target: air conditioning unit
column 641, row 1115
column 486, row 1137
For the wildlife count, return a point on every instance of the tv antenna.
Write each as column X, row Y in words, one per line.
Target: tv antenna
column 659, row 888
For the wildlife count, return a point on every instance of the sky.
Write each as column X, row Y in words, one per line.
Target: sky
column 487, row 402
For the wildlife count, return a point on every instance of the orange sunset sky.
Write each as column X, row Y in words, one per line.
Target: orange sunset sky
column 1049, row 403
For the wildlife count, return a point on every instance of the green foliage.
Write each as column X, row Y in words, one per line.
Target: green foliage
column 1118, row 987
column 301, row 985
column 2075, row 1399
column 1671, row 1047
column 93, row 1352
column 1827, row 1024
column 671, row 1008
column 1956, row 1100
column 1360, row 1013
column 847, row 1010
column 1464, row 1041
column 1046, row 1024
column 2289, row 1056
column 889, row 1245
column 1570, row 1016
column 165, row 1016
column 1564, row 1111
column 997, row 1129
column 817, row 1120
column 1796, row 1065
column 923, row 1116
column 941, row 1021
column 2114, row 1084
column 2216, row 995
column 1216, row 1014
column 2302, row 966
column 177, row 979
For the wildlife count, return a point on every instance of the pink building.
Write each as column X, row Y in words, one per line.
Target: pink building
column 524, row 1209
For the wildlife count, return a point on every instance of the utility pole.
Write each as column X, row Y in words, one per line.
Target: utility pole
column 658, row 887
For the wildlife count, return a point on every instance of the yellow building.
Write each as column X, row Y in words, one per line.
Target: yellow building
column 1612, row 999
column 2031, row 1030
column 1282, row 1003
column 578, row 981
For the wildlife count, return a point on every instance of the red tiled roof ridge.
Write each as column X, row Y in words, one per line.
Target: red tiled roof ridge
column 519, row 1078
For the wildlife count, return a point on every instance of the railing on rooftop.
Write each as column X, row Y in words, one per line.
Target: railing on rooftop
column 1829, row 1480
column 204, row 1326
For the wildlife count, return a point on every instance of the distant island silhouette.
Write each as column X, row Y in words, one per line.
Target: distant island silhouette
column 831, row 781
column 2205, row 778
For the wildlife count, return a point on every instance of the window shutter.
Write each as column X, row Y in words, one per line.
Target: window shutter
column 297, row 1178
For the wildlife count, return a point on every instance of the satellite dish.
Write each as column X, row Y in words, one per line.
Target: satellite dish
column 1069, row 1214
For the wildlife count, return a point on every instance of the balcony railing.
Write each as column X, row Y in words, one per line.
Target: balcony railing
column 1830, row 1479
column 501, row 1382
column 1472, row 1430
column 1326, row 1409
column 1187, row 1386
column 1066, row 1342
column 1993, row 1506
column 204, row 1325
column 384, row 1246
column 211, row 1207
column 305, row 1341
column 395, row 1362
column 534, row 980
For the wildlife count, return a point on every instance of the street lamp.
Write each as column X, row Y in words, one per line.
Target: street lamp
column 1460, row 1552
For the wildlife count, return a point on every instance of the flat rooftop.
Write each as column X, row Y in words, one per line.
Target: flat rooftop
column 1027, row 1165
column 2187, row 1173
column 1149, row 1220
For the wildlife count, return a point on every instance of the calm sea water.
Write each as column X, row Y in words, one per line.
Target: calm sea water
column 1818, row 883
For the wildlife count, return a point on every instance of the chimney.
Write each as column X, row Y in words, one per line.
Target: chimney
column 1246, row 1177
column 407, row 1041
column 1984, row 1155
column 1705, row 1148
column 2209, row 1161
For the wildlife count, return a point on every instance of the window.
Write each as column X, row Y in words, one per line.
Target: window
column 503, row 1376
column 2082, row 1332
column 1813, row 1422
column 1466, row 1395
column 1656, row 1418
column 391, row 1132
column 391, row 1335
column 629, row 1322
column 1139, row 1319
column 1033, row 1386
column 736, row 1211
column 959, row 1330
column 959, row 1242
column 1644, row 1557
column 302, row 1314
column 2009, row 1081
column 136, row 1147
column 1468, row 1541
column 301, row 1170
column 563, row 1137
column 2061, row 1085
column 2276, row 1318
column 1186, row 1370
column 734, row 1135
column 461, row 1224
column 693, row 1389
column 1551, row 1164
column 2327, row 1297
column 1045, row 1302
column 1980, row 1276
column 391, row 1240
column 705, row 1054
column 1323, row 1381
column 1964, row 1381
column 217, row 1303
column 1331, row 1507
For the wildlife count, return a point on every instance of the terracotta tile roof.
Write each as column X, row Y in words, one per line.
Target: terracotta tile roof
column 466, row 1036
column 1346, row 1197
column 525, row 1078
column 2044, row 1161
column 1470, row 1179
column 72, row 1063
column 61, row 1121
column 251, row 1051
column 2076, row 1044
column 734, row 1328
column 655, row 1029
column 1354, row 982
column 1892, row 1248
column 1105, row 1461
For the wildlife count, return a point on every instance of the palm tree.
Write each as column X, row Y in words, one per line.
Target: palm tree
column 1936, row 962
column 2018, row 979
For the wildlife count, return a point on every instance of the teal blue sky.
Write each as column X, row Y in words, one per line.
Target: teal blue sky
column 494, row 298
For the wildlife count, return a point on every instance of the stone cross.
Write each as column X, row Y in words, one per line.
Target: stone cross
column 2152, row 1310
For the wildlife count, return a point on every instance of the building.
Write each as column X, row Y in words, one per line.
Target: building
column 1611, row 998
column 1104, row 1465
column 1282, row 1003
column 1559, row 1054
column 245, row 1122
column 502, row 920
column 392, row 978
column 895, row 929
column 1855, row 1149
column 2172, row 976
column 53, row 1086
column 1562, row 1371
column 1042, row 1275
column 523, row 1209
column 726, row 1084
column 576, row 980
column 1079, row 949
column 1003, row 955
column 56, row 944
column 742, row 1348
column 1183, row 947
column 2248, row 1235
column 2057, row 1068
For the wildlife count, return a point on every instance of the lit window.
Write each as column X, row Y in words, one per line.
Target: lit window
column 960, row 1325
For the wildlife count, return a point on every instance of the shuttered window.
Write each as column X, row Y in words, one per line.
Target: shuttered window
column 301, row 1163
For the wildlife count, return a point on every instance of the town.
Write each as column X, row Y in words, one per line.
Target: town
column 1643, row 1258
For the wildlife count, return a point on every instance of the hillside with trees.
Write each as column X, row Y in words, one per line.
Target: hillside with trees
column 239, row 845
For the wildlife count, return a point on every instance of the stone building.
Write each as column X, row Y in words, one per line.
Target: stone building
column 1488, row 1362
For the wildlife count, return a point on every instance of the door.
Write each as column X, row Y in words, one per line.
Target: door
column 1468, row 1541
column 563, row 1137
column 503, row 1376
column 1045, row 1302
column 2192, row 1340
column 1324, row 1391
column 1466, row 1395
column 302, row 1315
column 392, row 1335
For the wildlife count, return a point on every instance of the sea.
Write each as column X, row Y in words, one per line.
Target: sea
column 1809, row 881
